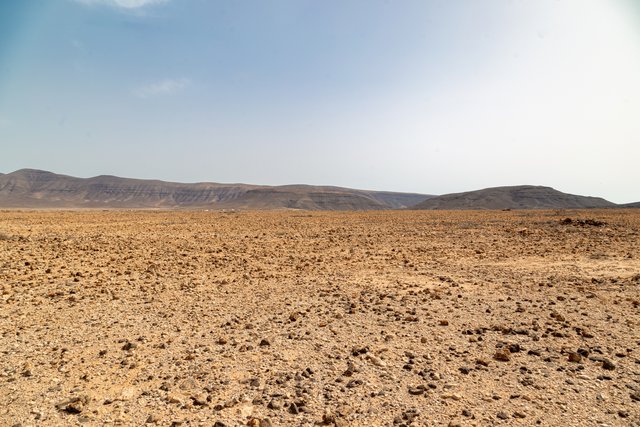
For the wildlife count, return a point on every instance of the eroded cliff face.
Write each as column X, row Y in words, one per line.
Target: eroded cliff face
column 40, row 189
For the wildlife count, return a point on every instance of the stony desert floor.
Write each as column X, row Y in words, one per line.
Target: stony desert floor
column 303, row 319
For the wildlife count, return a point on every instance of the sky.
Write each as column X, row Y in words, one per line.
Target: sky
column 419, row 96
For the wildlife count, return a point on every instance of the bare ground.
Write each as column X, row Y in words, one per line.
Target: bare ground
column 295, row 318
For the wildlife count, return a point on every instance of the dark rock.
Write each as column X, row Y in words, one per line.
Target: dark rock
column 129, row 346
column 583, row 352
column 514, row 348
column 574, row 357
column 608, row 365
column 275, row 404
column 359, row 351
column 417, row 391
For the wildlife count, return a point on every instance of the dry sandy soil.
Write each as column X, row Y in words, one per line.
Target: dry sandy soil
column 302, row 319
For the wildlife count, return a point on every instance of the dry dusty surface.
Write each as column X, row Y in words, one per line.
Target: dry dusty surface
column 302, row 319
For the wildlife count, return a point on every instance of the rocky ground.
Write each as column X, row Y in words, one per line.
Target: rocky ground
column 303, row 319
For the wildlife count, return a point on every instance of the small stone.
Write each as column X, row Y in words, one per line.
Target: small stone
column 635, row 396
column 219, row 424
column 416, row 391
column 129, row 346
column 519, row 414
column 275, row 404
column 74, row 405
column 265, row 342
column 351, row 369
column 608, row 365
column 293, row 409
column 27, row 370
column 174, row 398
column 452, row 396
column 199, row 399
column 444, row 322
column 575, row 357
column 376, row 361
column 358, row 351
column 328, row 418
column 467, row 413
column 152, row 419
column 502, row 415
column 464, row 369
column 514, row 348
column 502, row 355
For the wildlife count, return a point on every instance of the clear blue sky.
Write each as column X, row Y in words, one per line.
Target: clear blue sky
column 422, row 96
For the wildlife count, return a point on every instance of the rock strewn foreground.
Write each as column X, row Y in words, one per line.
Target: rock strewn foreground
column 339, row 319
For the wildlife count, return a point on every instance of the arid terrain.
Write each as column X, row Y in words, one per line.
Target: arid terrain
column 313, row 318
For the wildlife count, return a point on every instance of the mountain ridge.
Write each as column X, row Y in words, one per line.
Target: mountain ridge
column 39, row 189
column 33, row 188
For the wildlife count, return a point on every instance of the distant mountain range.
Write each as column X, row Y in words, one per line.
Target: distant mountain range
column 29, row 188
column 37, row 189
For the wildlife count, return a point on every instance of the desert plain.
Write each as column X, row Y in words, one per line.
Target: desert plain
column 293, row 318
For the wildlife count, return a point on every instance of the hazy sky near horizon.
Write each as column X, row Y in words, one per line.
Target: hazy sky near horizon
column 420, row 96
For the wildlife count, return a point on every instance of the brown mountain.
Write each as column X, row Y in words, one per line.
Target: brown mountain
column 516, row 197
column 29, row 188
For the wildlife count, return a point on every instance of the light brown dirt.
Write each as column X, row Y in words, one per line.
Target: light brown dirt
column 363, row 319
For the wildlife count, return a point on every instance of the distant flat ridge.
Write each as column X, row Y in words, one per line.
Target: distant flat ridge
column 514, row 197
column 31, row 188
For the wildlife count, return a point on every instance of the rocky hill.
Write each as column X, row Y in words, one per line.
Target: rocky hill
column 516, row 197
column 631, row 205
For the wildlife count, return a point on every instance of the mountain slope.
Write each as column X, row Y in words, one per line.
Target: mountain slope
column 516, row 197
column 630, row 205
column 29, row 188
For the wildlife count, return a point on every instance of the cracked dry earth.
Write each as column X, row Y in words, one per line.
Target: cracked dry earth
column 303, row 319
